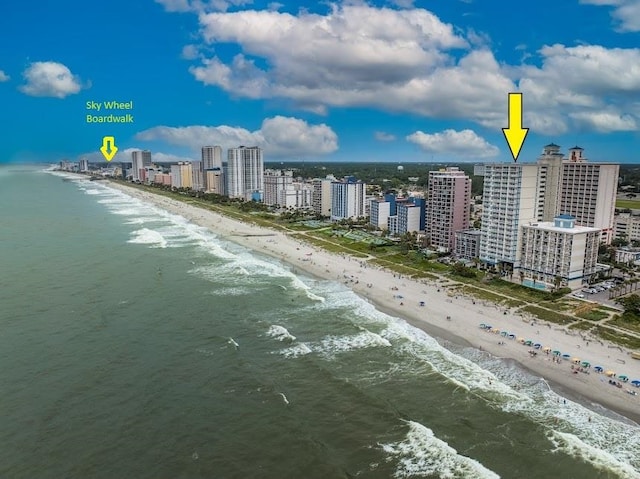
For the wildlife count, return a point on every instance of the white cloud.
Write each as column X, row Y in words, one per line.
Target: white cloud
column 383, row 136
column 625, row 12
column 465, row 143
column 201, row 6
column 605, row 122
column 50, row 79
column 279, row 136
column 409, row 61
column 189, row 52
column 4, row 77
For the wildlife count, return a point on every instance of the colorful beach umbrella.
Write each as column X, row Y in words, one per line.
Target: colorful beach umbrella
column 537, row 345
column 566, row 356
column 610, row 373
column 623, row 378
column 483, row 326
column 598, row 369
column 520, row 340
column 512, row 336
column 636, row 383
column 557, row 353
column 503, row 333
column 546, row 348
column 528, row 342
column 575, row 360
column 586, row 364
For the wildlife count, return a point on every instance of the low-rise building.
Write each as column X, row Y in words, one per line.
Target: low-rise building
column 558, row 249
column 467, row 246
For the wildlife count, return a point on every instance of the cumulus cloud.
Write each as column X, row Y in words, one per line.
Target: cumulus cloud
column 200, row 6
column 465, row 143
column 409, row 61
column 50, row 79
column 4, row 76
column 626, row 13
column 189, row 52
column 383, row 136
column 279, row 136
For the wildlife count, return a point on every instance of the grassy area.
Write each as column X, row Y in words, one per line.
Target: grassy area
column 625, row 323
column 482, row 294
column 548, row 315
column 331, row 247
column 581, row 326
column 617, row 338
column 630, row 204
column 593, row 315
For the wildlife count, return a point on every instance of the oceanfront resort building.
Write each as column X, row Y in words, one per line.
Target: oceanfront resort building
column 348, row 199
column 558, row 253
column 448, row 206
column 139, row 159
column 245, row 172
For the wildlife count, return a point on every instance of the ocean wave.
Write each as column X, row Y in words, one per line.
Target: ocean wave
column 280, row 333
column 421, row 453
column 147, row 236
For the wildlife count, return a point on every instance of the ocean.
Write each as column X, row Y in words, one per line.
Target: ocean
column 135, row 344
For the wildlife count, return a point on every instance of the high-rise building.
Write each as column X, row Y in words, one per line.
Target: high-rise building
column 379, row 210
column 83, row 164
column 276, row 181
column 182, row 175
column 211, row 157
column 510, row 199
column 448, row 206
column 245, row 172
column 197, row 176
column 574, row 186
column 347, row 199
column 322, row 195
column 467, row 244
column 214, row 181
column 139, row 159
column 559, row 252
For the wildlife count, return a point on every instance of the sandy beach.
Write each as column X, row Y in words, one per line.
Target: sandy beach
column 431, row 307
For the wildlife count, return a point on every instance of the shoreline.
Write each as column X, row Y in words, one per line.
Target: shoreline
column 453, row 318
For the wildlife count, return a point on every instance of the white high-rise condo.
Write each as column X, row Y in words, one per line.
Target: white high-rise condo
column 348, row 199
column 245, row 172
column 211, row 157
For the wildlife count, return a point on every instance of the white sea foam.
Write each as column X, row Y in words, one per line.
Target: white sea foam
column 599, row 458
column 421, row 454
column 231, row 292
column 93, row 191
column 147, row 236
column 280, row 333
column 296, row 351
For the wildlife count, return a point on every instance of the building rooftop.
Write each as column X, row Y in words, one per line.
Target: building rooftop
column 550, row 226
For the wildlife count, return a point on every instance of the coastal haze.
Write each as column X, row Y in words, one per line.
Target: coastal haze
column 138, row 344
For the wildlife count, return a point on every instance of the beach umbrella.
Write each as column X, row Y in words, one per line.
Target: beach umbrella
column 586, row 364
column 636, row 383
column 575, row 360
column 488, row 327
column 598, row 369
column 503, row 333
column 483, row 326
column 537, row 345
column 546, row 349
column 512, row 336
column 520, row 340
column 623, row 378
column 610, row 373
column 528, row 342
column 496, row 331
column 566, row 356
column 557, row 353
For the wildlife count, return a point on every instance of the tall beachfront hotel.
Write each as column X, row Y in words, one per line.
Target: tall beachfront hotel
column 139, row 159
column 245, row 172
column 510, row 198
column 448, row 206
column 516, row 195
column 211, row 164
column 348, row 199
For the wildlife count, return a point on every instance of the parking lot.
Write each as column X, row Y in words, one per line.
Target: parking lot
column 601, row 297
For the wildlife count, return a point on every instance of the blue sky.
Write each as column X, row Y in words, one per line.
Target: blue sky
column 395, row 80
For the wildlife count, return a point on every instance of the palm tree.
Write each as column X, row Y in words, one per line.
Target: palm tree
column 521, row 277
column 556, row 282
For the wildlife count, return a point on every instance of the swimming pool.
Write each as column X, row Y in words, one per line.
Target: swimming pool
column 536, row 285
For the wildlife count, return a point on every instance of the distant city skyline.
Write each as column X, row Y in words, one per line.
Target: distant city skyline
column 393, row 81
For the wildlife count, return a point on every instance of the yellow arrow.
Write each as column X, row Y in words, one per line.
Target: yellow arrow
column 109, row 148
column 515, row 134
